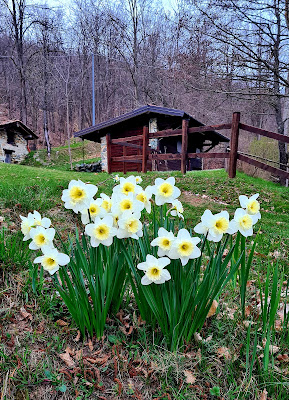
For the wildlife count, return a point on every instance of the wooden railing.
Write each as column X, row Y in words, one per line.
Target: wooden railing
column 146, row 154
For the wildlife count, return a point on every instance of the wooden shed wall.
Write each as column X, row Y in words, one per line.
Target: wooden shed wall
column 117, row 150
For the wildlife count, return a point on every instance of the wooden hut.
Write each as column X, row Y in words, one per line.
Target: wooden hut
column 153, row 118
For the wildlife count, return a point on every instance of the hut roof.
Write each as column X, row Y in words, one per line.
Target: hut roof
column 27, row 133
column 96, row 131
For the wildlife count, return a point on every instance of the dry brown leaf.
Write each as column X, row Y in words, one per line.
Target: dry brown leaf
column 70, row 351
column 90, row 345
column 60, row 322
column 77, row 337
column 127, row 330
column 78, row 355
column 264, row 395
column 283, row 358
column 25, row 314
column 199, row 355
column 190, row 378
column 273, row 349
column 67, row 359
column 224, row 352
column 213, row 309
column 40, row 328
column 100, row 360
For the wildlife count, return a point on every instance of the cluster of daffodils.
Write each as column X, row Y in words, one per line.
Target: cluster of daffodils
column 119, row 215
column 38, row 229
column 184, row 247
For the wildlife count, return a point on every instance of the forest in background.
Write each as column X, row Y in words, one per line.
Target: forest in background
column 209, row 58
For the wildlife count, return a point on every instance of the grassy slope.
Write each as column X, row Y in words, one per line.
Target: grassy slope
column 30, row 351
column 85, row 151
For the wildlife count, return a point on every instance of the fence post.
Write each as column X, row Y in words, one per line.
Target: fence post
column 145, row 143
column 234, row 145
column 108, row 152
column 184, row 154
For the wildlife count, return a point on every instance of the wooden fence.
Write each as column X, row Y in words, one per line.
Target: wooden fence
column 145, row 155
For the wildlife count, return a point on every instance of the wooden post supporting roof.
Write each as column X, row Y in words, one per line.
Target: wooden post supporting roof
column 184, row 155
column 145, row 143
column 124, row 163
column 108, row 152
column 234, row 144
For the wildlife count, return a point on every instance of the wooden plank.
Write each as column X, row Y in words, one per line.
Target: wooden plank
column 166, row 133
column 145, row 144
column 265, row 167
column 263, row 132
column 208, row 155
column 135, row 158
column 209, row 128
column 127, row 139
column 130, row 145
column 196, row 129
column 108, row 152
column 234, row 145
column 184, row 154
column 167, row 156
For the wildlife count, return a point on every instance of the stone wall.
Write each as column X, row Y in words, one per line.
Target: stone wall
column 103, row 153
column 20, row 148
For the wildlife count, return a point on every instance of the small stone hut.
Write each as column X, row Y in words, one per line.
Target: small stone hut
column 157, row 119
column 14, row 141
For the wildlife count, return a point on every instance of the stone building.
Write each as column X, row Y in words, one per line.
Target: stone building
column 14, row 141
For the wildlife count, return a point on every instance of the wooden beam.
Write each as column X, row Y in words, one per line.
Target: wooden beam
column 108, row 152
column 184, row 154
column 265, row 167
column 234, row 145
column 209, row 128
column 262, row 132
column 145, row 153
column 167, row 156
column 208, row 155
column 196, row 129
column 127, row 139
column 132, row 158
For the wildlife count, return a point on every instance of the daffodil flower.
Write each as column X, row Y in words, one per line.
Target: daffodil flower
column 185, row 247
column 78, row 195
column 116, row 178
column 126, row 186
column 26, row 225
column 165, row 191
column 154, row 269
column 242, row 222
column 138, row 180
column 52, row 259
column 94, row 210
column 39, row 221
column 164, row 241
column 213, row 225
column 144, row 196
column 129, row 225
column 251, row 205
column 106, row 202
column 101, row 231
column 122, row 203
column 41, row 237
column 177, row 209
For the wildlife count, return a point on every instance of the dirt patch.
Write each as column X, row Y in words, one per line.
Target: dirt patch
column 200, row 199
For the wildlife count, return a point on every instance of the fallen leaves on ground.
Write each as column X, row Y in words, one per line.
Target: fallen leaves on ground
column 190, row 378
column 224, row 352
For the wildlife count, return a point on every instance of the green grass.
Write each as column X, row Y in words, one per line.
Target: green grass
column 29, row 356
column 85, row 151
